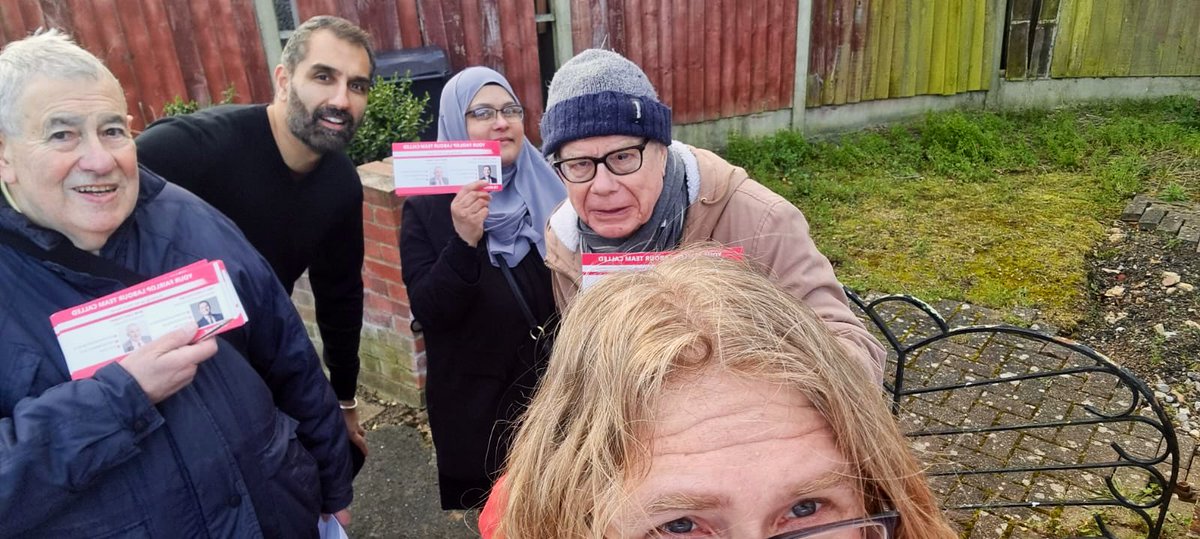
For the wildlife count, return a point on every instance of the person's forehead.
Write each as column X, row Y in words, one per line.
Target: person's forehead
column 493, row 95
column 49, row 100
column 596, row 146
column 717, row 427
column 746, row 410
column 327, row 49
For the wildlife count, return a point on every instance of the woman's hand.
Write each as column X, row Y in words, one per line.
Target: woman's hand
column 468, row 210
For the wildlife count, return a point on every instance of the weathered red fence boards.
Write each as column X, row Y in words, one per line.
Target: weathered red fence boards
column 158, row 49
column 500, row 34
column 708, row 60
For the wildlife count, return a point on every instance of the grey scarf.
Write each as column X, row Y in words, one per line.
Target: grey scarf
column 662, row 232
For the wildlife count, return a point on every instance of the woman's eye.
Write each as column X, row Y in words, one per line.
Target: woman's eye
column 679, row 525
column 60, row 135
column 805, row 508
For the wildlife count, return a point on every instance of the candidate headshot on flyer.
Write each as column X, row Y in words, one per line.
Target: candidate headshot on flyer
column 485, row 173
column 207, row 312
column 135, row 337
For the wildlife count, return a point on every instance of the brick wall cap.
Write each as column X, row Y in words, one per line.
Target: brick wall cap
column 377, row 175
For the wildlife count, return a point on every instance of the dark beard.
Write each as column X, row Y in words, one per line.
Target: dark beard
column 307, row 126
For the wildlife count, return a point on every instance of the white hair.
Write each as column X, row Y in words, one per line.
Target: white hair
column 51, row 54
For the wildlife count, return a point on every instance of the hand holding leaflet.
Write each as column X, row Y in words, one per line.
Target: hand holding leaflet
column 168, row 363
column 208, row 331
column 107, row 329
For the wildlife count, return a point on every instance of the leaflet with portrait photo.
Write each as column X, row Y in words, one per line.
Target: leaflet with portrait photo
column 441, row 167
column 106, row 329
column 596, row 266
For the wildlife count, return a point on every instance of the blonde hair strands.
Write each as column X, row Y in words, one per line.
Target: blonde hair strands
column 627, row 337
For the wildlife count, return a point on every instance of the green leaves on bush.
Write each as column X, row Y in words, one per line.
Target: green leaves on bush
column 393, row 114
column 179, row 106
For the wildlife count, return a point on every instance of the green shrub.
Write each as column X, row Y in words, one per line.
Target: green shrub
column 393, row 114
column 178, row 106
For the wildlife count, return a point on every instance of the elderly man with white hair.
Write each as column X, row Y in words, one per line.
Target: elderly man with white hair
column 240, row 439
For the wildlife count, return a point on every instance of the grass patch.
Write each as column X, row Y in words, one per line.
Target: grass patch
column 999, row 209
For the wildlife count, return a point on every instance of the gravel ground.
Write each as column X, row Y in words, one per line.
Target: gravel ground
column 1145, row 314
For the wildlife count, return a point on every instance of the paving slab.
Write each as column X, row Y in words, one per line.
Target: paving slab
column 979, row 467
column 395, row 494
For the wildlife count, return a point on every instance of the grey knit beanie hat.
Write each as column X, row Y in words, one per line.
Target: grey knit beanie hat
column 600, row 93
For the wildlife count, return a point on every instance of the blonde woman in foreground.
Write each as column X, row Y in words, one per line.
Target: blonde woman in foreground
column 698, row 399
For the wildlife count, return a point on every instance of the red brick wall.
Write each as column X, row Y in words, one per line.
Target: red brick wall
column 393, row 358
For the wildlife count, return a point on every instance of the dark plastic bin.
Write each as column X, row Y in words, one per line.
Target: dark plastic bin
column 429, row 70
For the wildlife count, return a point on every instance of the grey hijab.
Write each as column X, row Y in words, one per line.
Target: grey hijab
column 517, row 214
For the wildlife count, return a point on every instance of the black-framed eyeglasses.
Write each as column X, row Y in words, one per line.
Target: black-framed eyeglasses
column 487, row 114
column 878, row 526
column 620, row 162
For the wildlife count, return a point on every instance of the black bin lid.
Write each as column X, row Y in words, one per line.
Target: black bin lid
column 420, row 63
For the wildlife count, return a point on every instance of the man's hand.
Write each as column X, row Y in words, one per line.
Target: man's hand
column 343, row 517
column 468, row 210
column 358, row 435
column 168, row 363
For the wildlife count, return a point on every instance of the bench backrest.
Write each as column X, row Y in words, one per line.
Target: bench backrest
column 1025, row 434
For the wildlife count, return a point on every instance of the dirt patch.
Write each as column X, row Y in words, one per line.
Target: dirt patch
column 1144, row 296
column 396, row 413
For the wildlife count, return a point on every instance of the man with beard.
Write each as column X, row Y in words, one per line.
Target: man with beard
column 279, row 171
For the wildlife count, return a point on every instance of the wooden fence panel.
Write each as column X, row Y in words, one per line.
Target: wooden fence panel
column 158, row 49
column 1125, row 38
column 864, row 50
column 484, row 40
column 707, row 60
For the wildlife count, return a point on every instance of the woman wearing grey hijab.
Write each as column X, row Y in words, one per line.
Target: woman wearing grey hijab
column 478, row 288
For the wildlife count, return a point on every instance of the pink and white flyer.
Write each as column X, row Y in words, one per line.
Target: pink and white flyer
column 596, row 266
column 106, row 329
column 435, row 168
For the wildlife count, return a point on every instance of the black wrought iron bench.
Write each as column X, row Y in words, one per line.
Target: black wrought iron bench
column 1025, row 434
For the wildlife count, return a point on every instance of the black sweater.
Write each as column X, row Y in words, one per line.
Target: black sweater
column 482, row 363
column 227, row 156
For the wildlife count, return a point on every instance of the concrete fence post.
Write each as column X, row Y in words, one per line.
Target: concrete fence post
column 803, row 41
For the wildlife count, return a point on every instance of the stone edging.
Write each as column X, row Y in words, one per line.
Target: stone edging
column 1178, row 219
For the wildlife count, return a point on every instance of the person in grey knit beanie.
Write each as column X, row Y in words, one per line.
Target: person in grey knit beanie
column 633, row 189
column 599, row 93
